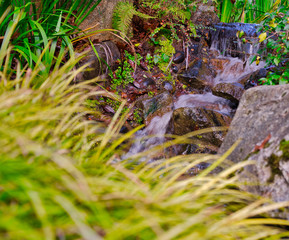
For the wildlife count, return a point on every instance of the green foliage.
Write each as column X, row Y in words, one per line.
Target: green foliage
column 227, row 7
column 116, row 104
column 30, row 28
column 137, row 116
column 61, row 176
column 163, row 54
column 246, row 11
column 275, row 28
column 179, row 10
column 151, row 94
column 123, row 74
column 123, row 14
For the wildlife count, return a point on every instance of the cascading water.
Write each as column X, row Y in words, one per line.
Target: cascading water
column 236, row 56
column 236, row 69
column 224, row 38
column 154, row 133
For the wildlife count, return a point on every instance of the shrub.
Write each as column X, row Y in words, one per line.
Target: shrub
column 275, row 32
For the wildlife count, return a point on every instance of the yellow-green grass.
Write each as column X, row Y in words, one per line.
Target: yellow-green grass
column 60, row 178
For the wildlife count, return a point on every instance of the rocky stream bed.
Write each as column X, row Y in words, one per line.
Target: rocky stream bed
column 202, row 88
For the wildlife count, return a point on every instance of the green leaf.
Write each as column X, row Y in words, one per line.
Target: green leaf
column 165, row 57
column 157, row 58
column 276, row 61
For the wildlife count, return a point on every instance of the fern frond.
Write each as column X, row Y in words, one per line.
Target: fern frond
column 123, row 14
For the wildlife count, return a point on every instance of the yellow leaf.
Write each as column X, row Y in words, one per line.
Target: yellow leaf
column 262, row 36
column 272, row 23
column 258, row 60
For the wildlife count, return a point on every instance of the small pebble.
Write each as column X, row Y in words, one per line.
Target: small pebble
column 143, row 65
column 175, row 69
column 136, row 84
column 168, row 86
column 108, row 109
column 148, row 81
column 179, row 57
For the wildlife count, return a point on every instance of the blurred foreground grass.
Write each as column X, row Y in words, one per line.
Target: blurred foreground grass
column 59, row 180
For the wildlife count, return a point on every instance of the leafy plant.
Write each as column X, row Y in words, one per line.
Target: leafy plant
column 123, row 74
column 123, row 14
column 275, row 36
column 246, row 11
column 179, row 10
column 30, row 27
column 227, row 7
column 137, row 116
column 164, row 54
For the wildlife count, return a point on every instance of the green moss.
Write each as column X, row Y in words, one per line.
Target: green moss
column 284, row 147
column 273, row 163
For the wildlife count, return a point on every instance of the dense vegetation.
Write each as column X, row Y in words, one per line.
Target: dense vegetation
column 60, row 174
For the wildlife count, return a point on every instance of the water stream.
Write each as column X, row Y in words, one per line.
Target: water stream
column 237, row 65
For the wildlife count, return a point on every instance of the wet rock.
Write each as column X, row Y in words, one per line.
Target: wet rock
column 230, row 91
column 108, row 109
column 136, row 84
column 219, row 63
column 148, row 82
column 156, row 106
column 251, row 79
column 179, row 57
column 144, row 65
column 207, row 100
column 124, row 129
column 108, row 54
column 197, row 76
column 250, row 83
column 186, row 120
column 261, row 122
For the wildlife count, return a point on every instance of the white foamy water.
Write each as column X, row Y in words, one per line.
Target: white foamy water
column 152, row 135
column 236, row 69
column 200, row 100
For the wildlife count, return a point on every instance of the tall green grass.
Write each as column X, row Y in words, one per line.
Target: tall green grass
column 32, row 27
column 61, row 176
column 227, row 7
column 247, row 11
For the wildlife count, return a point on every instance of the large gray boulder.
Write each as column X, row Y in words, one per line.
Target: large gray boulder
column 262, row 124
